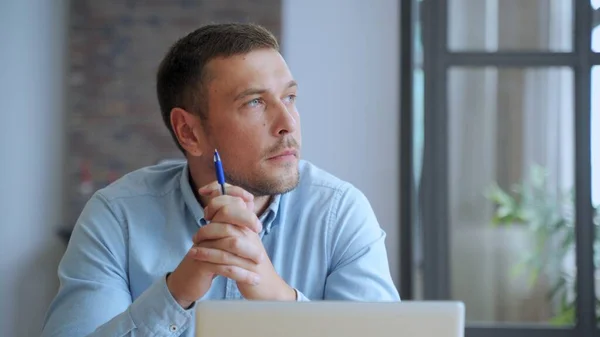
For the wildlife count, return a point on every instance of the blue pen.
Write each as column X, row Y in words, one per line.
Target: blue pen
column 219, row 171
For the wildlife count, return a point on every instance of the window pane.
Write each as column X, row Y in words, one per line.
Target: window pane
column 492, row 25
column 595, row 124
column 510, row 193
column 595, row 25
column 418, row 142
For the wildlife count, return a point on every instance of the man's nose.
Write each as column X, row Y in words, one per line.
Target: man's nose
column 285, row 121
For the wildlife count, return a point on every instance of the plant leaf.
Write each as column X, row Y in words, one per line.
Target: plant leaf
column 566, row 317
column 558, row 287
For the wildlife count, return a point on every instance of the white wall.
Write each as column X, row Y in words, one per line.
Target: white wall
column 344, row 55
column 32, row 55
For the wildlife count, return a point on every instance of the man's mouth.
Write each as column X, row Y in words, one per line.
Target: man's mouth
column 284, row 154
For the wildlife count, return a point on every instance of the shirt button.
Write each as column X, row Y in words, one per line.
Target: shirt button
column 173, row 327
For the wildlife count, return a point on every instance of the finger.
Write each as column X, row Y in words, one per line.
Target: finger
column 210, row 187
column 242, row 247
column 232, row 210
column 235, row 273
column 220, row 201
column 214, row 189
column 216, row 231
column 218, row 256
column 249, row 204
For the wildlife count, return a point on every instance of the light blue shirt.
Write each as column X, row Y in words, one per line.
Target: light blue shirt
column 322, row 238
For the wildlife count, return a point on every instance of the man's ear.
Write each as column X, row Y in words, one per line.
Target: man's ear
column 188, row 130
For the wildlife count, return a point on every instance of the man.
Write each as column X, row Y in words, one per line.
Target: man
column 150, row 245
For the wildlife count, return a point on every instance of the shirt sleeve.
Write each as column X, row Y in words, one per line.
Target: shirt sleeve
column 94, row 297
column 300, row 297
column 359, row 263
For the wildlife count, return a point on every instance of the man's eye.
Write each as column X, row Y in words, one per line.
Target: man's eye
column 290, row 99
column 254, row 103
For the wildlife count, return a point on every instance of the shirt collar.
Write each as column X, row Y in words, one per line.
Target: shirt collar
column 269, row 215
column 189, row 197
column 267, row 218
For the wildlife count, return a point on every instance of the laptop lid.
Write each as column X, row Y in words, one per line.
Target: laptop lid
column 323, row 318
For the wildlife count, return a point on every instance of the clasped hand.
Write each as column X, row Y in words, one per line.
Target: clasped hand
column 230, row 246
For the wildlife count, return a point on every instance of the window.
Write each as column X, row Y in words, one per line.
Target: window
column 505, row 163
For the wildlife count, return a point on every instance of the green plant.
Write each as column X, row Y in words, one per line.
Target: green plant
column 550, row 218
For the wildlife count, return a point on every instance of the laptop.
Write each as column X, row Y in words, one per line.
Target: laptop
column 329, row 319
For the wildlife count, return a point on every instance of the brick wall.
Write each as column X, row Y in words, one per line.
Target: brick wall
column 114, row 122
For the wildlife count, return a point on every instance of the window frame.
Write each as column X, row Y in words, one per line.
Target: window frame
column 429, row 203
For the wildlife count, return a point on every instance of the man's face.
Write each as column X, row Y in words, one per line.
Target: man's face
column 253, row 122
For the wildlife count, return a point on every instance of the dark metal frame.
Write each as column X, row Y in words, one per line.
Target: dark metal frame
column 433, row 192
column 406, row 144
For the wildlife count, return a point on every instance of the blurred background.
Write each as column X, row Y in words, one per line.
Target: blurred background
column 473, row 127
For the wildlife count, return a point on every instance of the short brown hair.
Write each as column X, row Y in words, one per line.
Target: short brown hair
column 181, row 75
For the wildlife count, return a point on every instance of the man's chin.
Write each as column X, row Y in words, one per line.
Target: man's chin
column 269, row 180
column 290, row 184
column 278, row 183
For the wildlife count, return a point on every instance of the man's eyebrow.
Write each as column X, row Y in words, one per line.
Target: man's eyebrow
column 257, row 91
column 249, row 92
column 291, row 84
